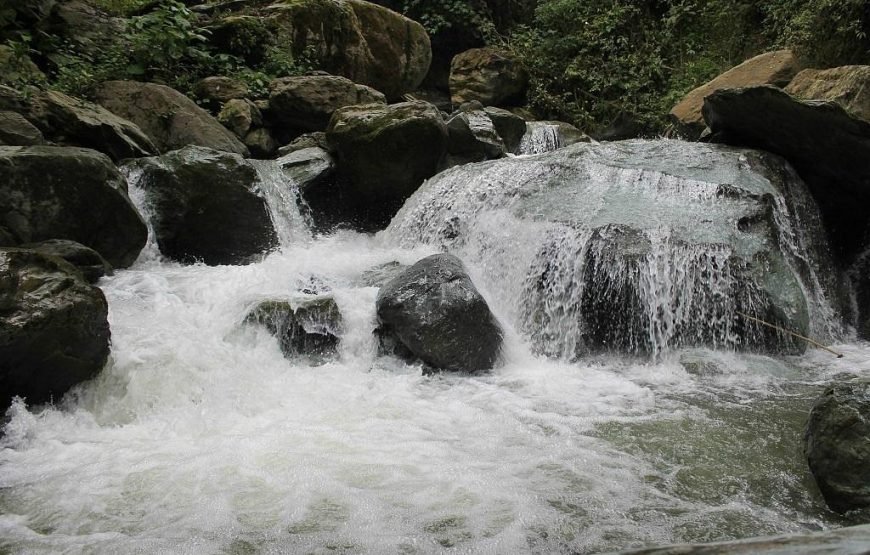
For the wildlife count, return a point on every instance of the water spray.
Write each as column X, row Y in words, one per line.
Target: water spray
column 799, row 336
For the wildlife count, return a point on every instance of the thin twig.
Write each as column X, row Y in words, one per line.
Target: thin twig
column 807, row 339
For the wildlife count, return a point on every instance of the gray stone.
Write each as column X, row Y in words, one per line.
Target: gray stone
column 433, row 311
column 15, row 130
column 69, row 193
column 54, row 331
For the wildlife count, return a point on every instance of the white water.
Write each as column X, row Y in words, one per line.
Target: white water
column 540, row 137
column 199, row 437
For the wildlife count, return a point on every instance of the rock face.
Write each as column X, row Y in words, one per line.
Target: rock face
column 635, row 246
column 489, row 76
column 219, row 89
column 364, row 42
column 433, row 310
column 837, row 445
column 509, row 127
column 53, row 327
column 240, row 117
column 309, row 326
column 472, row 137
column 307, row 102
column 828, row 147
column 70, row 120
column 843, row 541
column 15, row 130
column 848, row 86
column 205, row 206
column 86, row 260
column 772, row 68
column 385, row 153
column 170, row 119
column 69, row 193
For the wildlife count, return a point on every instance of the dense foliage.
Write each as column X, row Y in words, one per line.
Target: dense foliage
column 592, row 62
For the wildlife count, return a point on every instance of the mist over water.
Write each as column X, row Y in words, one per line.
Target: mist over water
column 200, row 437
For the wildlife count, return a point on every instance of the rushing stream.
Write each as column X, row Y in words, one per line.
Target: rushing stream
column 200, row 437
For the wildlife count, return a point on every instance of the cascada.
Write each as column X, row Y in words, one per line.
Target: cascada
column 632, row 405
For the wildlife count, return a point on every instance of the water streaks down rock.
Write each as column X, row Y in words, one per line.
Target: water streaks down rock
column 433, row 311
column 54, row 331
column 638, row 246
column 205, row 206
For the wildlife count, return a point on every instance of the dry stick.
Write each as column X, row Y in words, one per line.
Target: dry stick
column 807, row 339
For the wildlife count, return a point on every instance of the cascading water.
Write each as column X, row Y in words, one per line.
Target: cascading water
column 540, row 137
column 201, row 437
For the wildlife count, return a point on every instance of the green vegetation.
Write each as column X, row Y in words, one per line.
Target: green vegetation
column 592, row 62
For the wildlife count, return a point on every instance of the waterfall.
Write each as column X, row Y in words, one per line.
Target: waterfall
column 644, row 246
column 540, row 137
column 282, row 197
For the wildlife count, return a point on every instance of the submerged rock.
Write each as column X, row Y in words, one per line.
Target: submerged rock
column 205, row 206
column 69, row 193
column 54, row 331
column 837, row 445
column 637, row 246
column 309, row 326
column 433, row 311
column 844, row 541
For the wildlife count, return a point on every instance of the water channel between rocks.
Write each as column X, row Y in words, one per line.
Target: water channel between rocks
column 200, row 437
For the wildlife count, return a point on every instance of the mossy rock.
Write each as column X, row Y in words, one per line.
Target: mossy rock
column 309, row 326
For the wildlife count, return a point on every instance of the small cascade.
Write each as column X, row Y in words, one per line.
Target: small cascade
column 282, row 196
column 540, row 137
column 641, row 247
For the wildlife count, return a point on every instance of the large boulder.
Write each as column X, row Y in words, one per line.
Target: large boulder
column 636, row 246
column 433, row 311
column 205, row 206
column 364, row 42
column 54, row 331
column 385, row 153
column 218, row 89
column 86, row 260
column 69, row 193
column 307, row 102
column 828, row 147
column 80, row 123
column 170, row 119
column 837, row 445
column 309, row 325
column 488, row 75
column 771, row 68
column 848, row 86
column 16, row 130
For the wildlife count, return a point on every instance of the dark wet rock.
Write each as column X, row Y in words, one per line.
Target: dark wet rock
column 472, row 137
column 54, row 331
column 771, row 68
column 205, row 206
column 837, row 445
column 844, row 541
column 261, row 143
column 306, row 140
column 488, row 75
column 509, row 126
column 309, row 326
column 307, row 102
column 433, row 310
column 829, row 148
column 86, row 260
column 384, row 154
column 77, row 122
column 170, row 119
column 69, row 193
column 16, row 130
